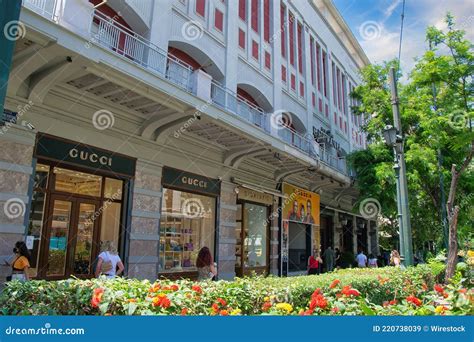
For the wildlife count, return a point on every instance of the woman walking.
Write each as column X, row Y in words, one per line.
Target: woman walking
column 314, row 261
column 109, row 261
column 21, row 264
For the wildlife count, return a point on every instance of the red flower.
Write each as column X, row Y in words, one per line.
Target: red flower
column 197, row 289
column 215, row 308
column 388, row 303
column 174, row 287
column 414, row 300
column 438, row 288
column 318, row 301
column 335, row 309
column 463, row 290
column 266, row 306
column 97, row 297
column 161, row 300
column 222, row 301
column 224, row 313
column 334, row 283
column 348, row 291
column 184, row 311
column 306, row 313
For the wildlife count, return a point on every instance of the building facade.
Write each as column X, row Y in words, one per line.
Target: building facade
column 166, row 126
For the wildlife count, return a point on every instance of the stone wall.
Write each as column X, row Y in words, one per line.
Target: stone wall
column 16, row 159
column 226, row 231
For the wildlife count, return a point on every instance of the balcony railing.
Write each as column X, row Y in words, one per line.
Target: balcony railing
column 46, row 8
column 122, row 41
column 119, row 39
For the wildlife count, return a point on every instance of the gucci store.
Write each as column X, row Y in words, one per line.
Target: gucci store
column 187, row 222
column 79, row 200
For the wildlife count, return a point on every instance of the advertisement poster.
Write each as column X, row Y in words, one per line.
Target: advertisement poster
column 300, row 205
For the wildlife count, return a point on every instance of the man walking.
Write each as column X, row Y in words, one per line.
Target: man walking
column 329, row 259
column 361, row 259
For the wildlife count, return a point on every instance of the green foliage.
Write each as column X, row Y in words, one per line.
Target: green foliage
column 247, row 296
column 436, row 113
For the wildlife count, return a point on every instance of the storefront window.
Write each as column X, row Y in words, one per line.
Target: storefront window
column 187, row 224
column 113, row 188
column 255, row 238
column 110, row 230
column 77, row 182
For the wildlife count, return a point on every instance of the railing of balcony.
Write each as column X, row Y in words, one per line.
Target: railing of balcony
column 46, row 8
column 119, row 39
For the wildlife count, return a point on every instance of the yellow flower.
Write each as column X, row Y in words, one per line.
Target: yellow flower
column 440, row 309
column 284, row 306
column 266, row 299
column 235, row 312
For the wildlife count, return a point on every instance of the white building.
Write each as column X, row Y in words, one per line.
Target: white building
column 166, row 126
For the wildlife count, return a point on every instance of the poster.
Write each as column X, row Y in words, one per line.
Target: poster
column 300, row 205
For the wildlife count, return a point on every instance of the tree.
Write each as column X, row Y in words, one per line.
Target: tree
column 436, row 110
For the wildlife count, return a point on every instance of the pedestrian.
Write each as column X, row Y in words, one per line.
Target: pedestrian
column 372, row 261
column 361, row 259
column 109, row 261
column 21, row 264
column 338, row 258
column 205, row 265
column 314, row 262
column 395, row 259
column 329, row 259
column 386, row 258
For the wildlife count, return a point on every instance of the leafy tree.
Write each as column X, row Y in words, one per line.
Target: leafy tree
column 436, row 111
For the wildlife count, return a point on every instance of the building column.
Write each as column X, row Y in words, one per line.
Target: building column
column 160, row 29
column 16, row 170
column 354, row 235
column 232, row 44
column 274, row 239
column 144, row 231
column 226, row 232
column 337, row 231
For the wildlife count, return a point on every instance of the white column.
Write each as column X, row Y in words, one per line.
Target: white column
column 160, row 26
column 232, row 44
column 308, row 85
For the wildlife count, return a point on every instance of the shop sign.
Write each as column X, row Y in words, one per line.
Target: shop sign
column 188, row 181
column 75, row 153
column 321, row 136
column 255, row 196
column 300, row 205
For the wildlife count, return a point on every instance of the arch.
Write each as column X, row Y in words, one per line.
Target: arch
column 251, row 94
column 122, row 13
column 295, row 123
column 198, row 57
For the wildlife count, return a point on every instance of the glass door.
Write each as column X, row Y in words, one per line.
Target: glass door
column 71, row 239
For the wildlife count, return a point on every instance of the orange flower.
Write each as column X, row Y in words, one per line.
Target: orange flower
column 174, row 287
column 155, row 288
column 215, row 308
column 222, row 301
column 184, row 311
column 197, row 289
column 97, row 297
column 318, row 301
column 161, row 300
column 224, row 313
column 348, row 291
column 266, row 306
column 414, row 300
column 132, row 300
column 382, row 280
column 334, row 283
column 165, row 302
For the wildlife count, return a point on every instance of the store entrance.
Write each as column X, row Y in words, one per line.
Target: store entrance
column 72, row 238
column 299, row 247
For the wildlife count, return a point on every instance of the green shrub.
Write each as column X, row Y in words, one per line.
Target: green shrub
column 247, row 296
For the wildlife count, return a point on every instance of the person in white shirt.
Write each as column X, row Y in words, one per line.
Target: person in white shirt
column 109, row 263
column 372, row 261
column 361, row 259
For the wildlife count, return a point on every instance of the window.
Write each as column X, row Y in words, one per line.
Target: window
column 282, row 29
column 300, row 48
column 254, row 49
column 318, row 65
column 268, row 61
column 283, row 73
column 313, row 99
column 242, row 39
column 311, row 49
column 301, row 89
column 183, row 232
column 339, row 88
column 320, row 105
column 201, row 7
column 293, row 82
column 334, row 91
column 325, row 71
column 218, row 20
column 255, row 15
column 266, row 20
column 292, row 40
column 243, row 10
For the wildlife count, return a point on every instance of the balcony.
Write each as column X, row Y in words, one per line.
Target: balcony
column 128, row 45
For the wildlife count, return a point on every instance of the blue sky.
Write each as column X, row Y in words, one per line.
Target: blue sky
column 376, row 24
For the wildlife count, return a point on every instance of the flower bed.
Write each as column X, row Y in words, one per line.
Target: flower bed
column 384, row 291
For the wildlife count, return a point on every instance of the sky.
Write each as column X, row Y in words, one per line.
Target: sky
column 376, row 24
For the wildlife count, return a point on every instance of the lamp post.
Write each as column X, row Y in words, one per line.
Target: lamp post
column 394, row 137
